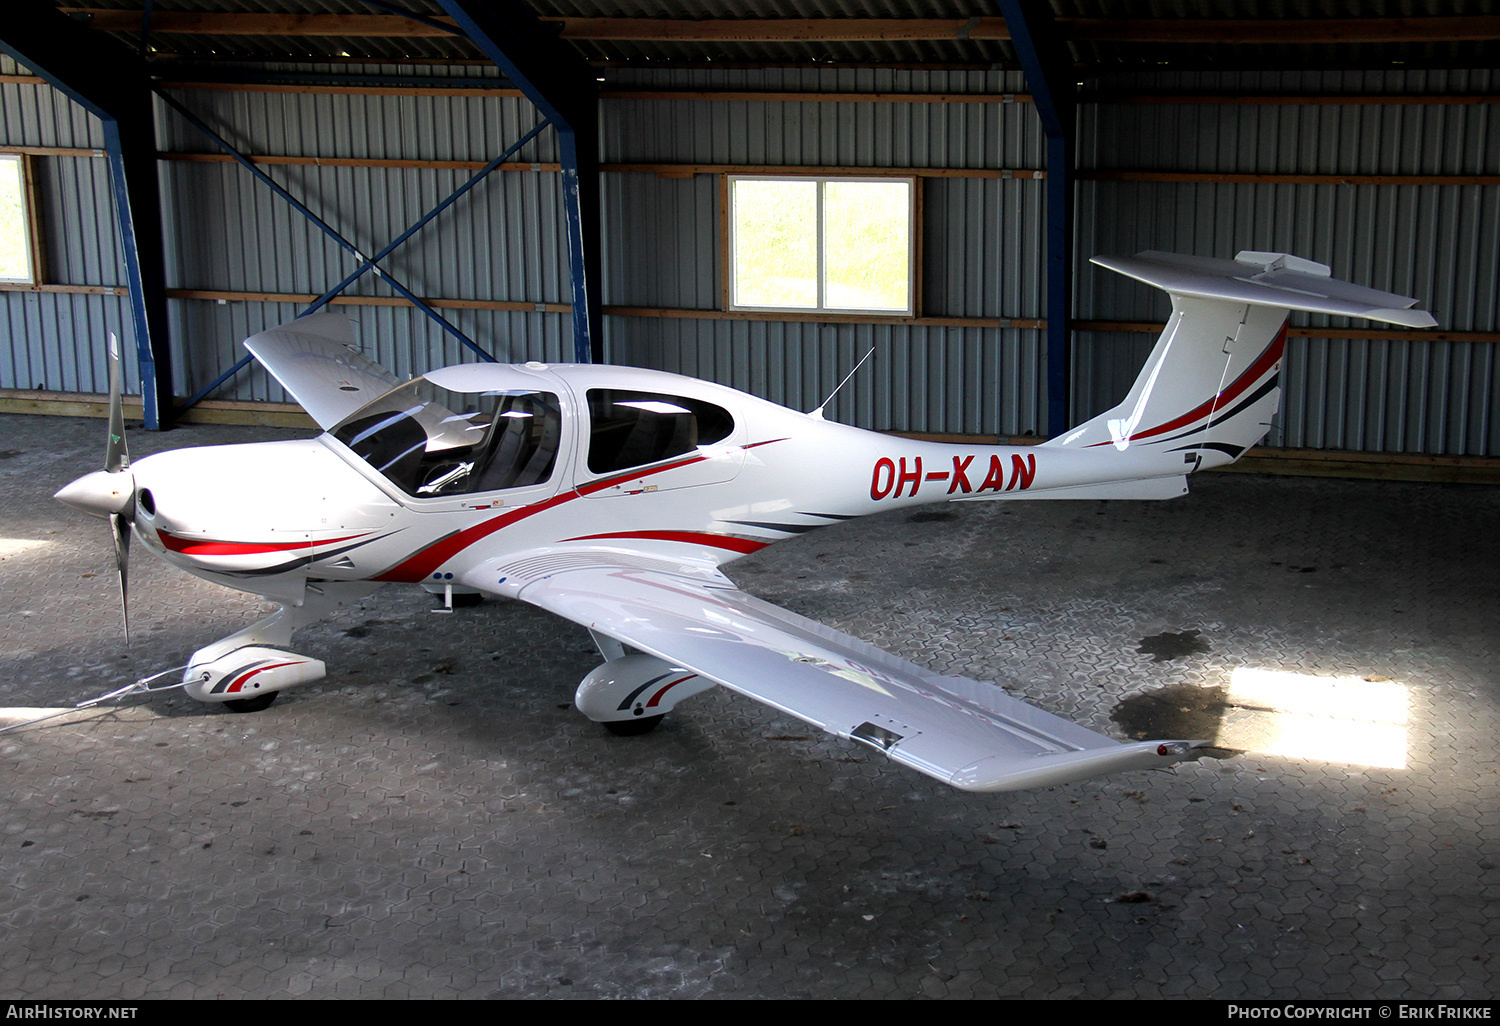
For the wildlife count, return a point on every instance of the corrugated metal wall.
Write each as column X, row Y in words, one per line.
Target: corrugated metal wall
column 1438, row 242
column 225, row 231
column 980, row 241
column 81, row 243
column 981, row 238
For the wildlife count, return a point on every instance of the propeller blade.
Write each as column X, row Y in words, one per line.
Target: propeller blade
column 119, row 525
column 116, row 455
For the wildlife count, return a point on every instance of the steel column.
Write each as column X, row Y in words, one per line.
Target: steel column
column 1043, row 55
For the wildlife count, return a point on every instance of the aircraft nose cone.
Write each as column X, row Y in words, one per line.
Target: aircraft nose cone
column 99, row 493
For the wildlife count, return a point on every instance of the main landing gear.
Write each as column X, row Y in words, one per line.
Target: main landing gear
column 630, row 692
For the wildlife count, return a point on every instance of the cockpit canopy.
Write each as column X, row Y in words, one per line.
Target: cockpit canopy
column 433, row 441
column 428, row 440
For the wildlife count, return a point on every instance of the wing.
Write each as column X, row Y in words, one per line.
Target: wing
column 963, row 732
column 317, row 360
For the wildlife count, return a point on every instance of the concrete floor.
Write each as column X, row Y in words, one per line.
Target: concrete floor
column 433, row 820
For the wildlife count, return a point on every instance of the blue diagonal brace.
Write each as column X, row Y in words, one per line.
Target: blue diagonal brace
column 1043, row 54
column 427, row 218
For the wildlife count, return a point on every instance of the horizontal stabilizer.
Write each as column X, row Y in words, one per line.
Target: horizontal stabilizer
column 1268, row 279
column 317, row 360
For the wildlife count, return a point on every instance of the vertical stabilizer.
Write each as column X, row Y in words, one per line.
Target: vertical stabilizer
column 1212, row 382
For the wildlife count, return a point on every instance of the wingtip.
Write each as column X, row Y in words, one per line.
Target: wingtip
column 1019, row 773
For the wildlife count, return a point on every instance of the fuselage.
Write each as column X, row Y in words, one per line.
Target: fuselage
column 456, row 475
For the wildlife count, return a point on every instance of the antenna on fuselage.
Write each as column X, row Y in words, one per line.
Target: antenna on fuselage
column 819, row 411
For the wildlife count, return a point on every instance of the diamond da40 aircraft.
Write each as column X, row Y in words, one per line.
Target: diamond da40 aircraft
column 612, row 496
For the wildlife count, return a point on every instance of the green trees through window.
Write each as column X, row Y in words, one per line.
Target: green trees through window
column 831, row 244
column 15, row 229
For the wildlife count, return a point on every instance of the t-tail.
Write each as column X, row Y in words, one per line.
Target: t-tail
column 1213, row 381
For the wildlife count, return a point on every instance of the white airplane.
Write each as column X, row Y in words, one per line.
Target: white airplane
column 612, row 496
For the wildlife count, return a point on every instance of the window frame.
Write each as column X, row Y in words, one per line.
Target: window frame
column 822, row 309
column 30, row 231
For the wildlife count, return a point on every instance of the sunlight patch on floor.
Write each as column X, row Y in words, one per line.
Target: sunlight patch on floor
column 16, row 546
column 1346, row 720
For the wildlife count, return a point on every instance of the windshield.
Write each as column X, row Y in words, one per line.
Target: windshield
column 429, row 441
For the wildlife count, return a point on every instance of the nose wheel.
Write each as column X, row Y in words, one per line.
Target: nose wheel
column 251, row 705
column 633, row 728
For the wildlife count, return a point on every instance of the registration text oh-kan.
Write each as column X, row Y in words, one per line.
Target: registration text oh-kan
column 903, row 477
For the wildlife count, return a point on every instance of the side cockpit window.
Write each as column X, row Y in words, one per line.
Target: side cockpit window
column 631, row 429
column 429, row 441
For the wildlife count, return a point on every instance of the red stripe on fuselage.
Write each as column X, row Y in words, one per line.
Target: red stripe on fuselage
column 418, row 567
column 193, row 547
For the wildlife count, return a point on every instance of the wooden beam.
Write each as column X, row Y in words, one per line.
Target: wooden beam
column 819, row 318
column 752, row 30
column 1180, row 31
column 664, row 170
column 51, row 151
column 775, row 30
column 1282, row 31
column 1216, row 177
column 1291, row 99
column 768, row 97
column 755, row 96
column 279, row 160
column 1376, row 466
column 342, row 90
column 297, row 298
column 821, row 171
column 68, row 290
column 1371, row 334
column 260, row 24
column 227, row 295
column 208, row 411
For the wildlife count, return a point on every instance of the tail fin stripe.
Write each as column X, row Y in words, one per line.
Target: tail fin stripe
column 1233, row 451
column 1222, row 415
column 1265, row 361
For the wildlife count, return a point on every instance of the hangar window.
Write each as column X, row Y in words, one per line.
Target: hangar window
column 844, row 245
column 18, row 255
column 632, row 429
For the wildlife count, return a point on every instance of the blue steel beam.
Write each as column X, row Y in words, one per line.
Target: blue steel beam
column 1043, row 53
column 111, row 83
column 564, row 88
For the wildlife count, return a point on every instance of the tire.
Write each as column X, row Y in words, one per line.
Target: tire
column 250, row 705
column 634, row 728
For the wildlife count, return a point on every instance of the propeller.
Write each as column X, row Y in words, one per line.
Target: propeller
column 111, row 492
